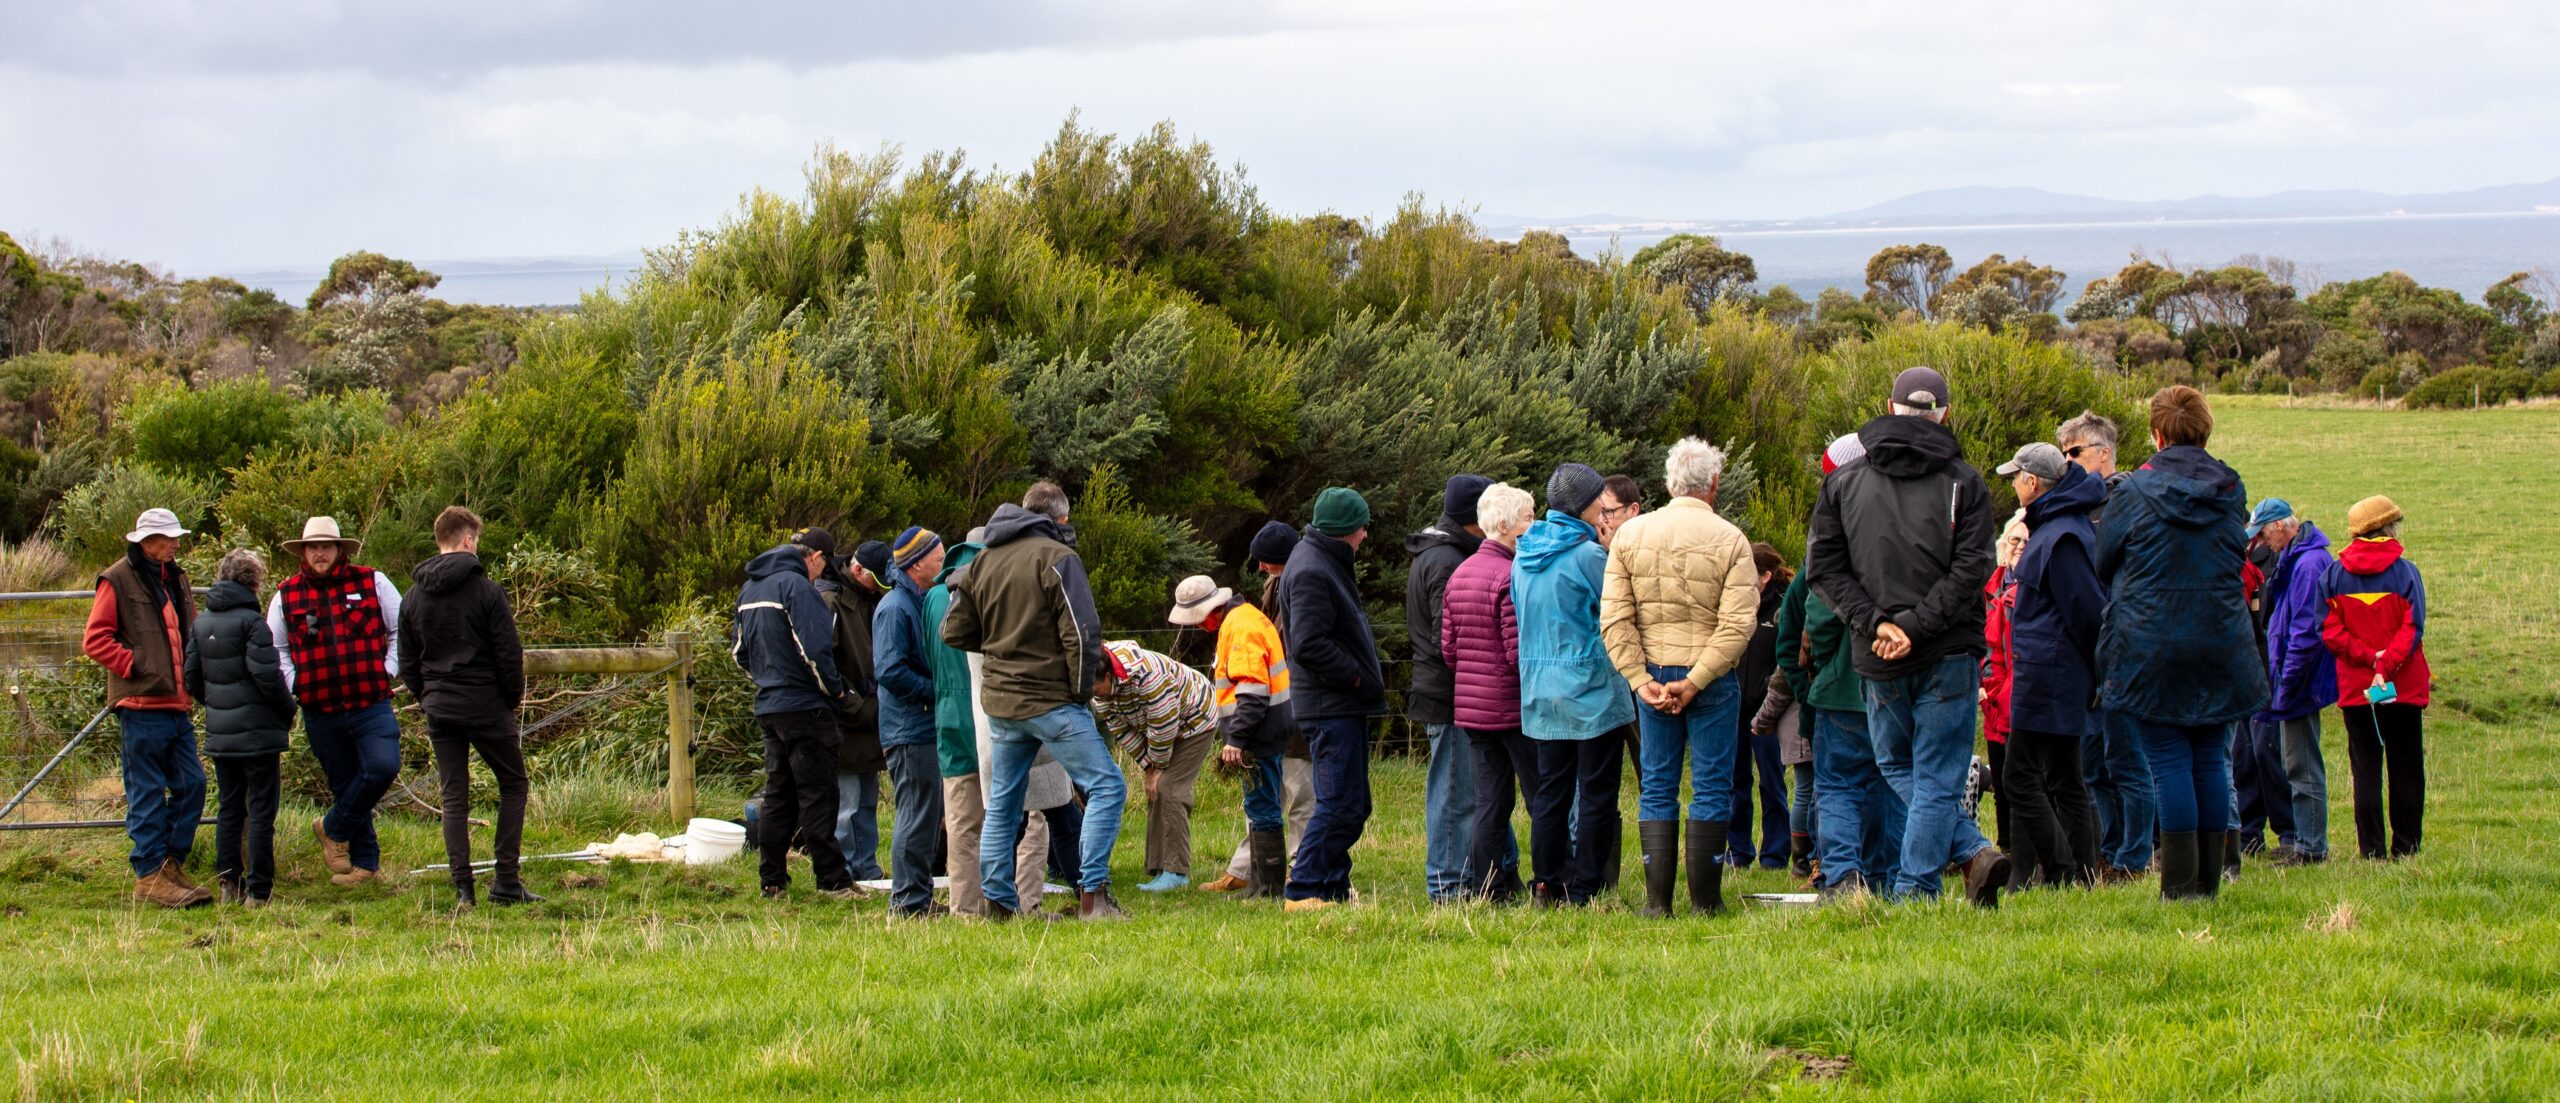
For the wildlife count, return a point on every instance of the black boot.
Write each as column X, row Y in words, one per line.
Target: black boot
column 1706, row 874
column 2209, row 855
column 466, row 895
column 1613, row 852
column 2231, row 855
column 2177, row 865
column 1269, row 852
column 509, row 892
column 1800, row 855
column 1658, row 841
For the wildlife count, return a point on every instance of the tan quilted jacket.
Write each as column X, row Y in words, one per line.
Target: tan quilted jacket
column 1681, row 590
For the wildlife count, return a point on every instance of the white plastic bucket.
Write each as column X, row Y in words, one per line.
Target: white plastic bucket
column 712, row 841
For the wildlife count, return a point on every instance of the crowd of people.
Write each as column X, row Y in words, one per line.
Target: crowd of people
column 2146, row 655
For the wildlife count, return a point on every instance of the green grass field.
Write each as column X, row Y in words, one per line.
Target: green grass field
column 2431, row 978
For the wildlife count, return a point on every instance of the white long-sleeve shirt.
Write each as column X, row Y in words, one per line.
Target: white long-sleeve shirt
column 383, row 591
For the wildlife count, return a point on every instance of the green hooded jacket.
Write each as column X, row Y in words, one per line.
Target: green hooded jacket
column 955, row 724
column 1832, row 682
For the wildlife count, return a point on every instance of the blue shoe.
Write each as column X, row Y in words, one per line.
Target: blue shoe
column 1165, row 882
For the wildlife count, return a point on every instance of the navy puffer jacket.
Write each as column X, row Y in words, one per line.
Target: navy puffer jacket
column 2177, row 648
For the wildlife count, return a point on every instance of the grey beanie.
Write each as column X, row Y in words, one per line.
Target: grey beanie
column 1573, row 488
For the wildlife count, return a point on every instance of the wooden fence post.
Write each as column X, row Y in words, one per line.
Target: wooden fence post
column 680, row 728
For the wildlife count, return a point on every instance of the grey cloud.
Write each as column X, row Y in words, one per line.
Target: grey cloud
column 469, row 37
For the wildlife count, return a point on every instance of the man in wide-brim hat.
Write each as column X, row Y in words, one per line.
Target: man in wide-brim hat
column 333, row 623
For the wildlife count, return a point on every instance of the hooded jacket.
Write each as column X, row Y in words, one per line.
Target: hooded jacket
column 1480, row 635
column 1904, row 534
column 465, row 663
column 2175, row 647
column 899, row 664
column 2377, row 622
column 1252, row 683
column 1568, row 687
column 2053, row 627
column 858, row 717
column 1760, row 657
column 2302, row 677
column 784, row 636
column 232, row 667
column 1333, row 656
column 1024, row 605
column 2000, row 599
column 1679, row 590
column 955, row 693
column 1436, row 553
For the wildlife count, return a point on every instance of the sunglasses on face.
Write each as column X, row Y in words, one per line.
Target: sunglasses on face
column 2074, row 451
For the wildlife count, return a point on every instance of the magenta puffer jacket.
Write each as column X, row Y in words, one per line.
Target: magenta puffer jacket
column 1480, row 640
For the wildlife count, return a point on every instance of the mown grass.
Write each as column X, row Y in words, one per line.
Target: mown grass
column 2431, row 978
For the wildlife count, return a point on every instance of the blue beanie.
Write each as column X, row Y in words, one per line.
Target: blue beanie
column 1458, row 502
column 1274, row 543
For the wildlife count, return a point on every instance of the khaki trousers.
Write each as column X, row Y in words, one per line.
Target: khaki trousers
column 964, row 818
column 1169, row 799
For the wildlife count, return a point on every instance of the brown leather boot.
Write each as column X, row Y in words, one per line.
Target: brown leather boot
column 332, row 852
column 157, row 888
column 353, row 877
column 1098, row 904
column 1985, row 874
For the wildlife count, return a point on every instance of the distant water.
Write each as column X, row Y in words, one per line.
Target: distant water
column 2464, row 252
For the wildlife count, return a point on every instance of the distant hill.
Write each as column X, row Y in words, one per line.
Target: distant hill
column 2016, row 206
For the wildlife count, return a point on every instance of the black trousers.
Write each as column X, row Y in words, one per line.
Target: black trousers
column 499, row 746
column 1999, row 754
column 2387, row 750
column 1578, row 782
column 244, row 827
column 799, row 805
column 2052, row 820
column 1506, row 762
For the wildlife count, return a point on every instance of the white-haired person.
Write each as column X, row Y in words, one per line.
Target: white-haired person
column 1678, row 604
column 1480, row 640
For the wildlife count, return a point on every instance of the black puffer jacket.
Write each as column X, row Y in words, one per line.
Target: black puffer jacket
column 1436, row 552
column 1904, row 535
column 232, row 668
column 458, row 648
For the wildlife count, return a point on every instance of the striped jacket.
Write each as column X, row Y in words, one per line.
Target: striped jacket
column 1159, row 702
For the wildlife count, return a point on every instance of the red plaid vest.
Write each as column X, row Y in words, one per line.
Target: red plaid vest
column 334, row 630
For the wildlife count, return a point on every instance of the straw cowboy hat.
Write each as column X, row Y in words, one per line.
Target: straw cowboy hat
column 322, row 530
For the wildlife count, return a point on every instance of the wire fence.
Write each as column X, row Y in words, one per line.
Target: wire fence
column 615, row 724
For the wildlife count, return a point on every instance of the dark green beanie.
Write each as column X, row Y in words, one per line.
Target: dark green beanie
column 1341, row 511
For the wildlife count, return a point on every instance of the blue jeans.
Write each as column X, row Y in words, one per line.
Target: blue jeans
column 1860, row 817
column 2118, row 775
column 1704, row 732
column 1262, row 808
column 2190, row 771
column 858, row 823
column 1800, row 817
column 359, row 753
column 915, row 825
column 1922, row 728
column 2308, row 776
column 1448, row 811
column 1768, row 778
column 2257, row 771
column 1069, row 734
column 1339, row 746
column 163, row 786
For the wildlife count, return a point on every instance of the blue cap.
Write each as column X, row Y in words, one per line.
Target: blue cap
column 2269, row 510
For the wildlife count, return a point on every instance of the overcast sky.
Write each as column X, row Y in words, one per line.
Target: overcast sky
column 286, row 132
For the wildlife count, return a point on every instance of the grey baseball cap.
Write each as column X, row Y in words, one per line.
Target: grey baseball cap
column 2039, row 459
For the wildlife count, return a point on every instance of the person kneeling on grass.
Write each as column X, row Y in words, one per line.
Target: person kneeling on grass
column 2377, row 627
column 466, row 669
column 1163, row 715
column 248, row 714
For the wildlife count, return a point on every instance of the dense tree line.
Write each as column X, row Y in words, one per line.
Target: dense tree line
column 914, row 341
